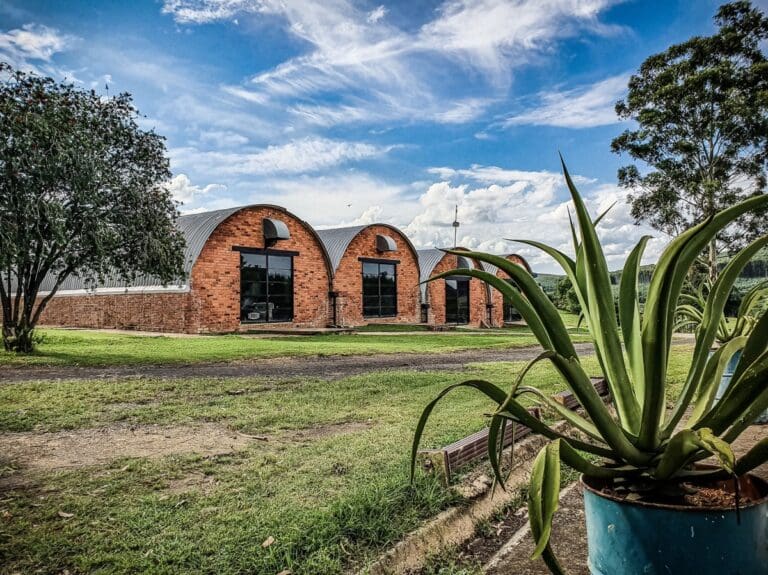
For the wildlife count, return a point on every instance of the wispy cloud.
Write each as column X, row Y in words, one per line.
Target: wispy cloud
column 295, row 157
column 385, row 72
column 581, row 107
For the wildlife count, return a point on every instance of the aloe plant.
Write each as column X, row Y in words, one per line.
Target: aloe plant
column 690, row 312
column 642, row 442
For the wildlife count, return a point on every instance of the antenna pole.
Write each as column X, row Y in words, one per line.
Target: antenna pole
column 455, row 225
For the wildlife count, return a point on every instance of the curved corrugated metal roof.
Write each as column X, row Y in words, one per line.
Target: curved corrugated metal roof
column 337, row 240
column 428, row 260
column 197, row 228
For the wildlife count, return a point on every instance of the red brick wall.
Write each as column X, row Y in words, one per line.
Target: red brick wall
column 498, row 300
column 213, row 303
column 478, row 296
column 215, row 278
column 148, row 311
column 348, row 280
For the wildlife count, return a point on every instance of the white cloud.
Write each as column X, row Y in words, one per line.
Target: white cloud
column 32, row 43
column 462, row 111
column 496, row 35
column 377, row 14
column 185, row 192
column 295, row 157
column 338, row 199
column 581, row 107
column 223, row 138
column 389, row 73
column 520, row 204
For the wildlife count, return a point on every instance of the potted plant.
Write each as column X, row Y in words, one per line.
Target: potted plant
column 651, row 505
column 731, row 334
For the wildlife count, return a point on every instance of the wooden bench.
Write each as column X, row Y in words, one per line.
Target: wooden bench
column 449, row 459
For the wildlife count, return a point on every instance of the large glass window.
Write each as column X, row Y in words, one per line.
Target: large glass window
column 379, row 289
column 457, row 300
column 266, row 287
column 510, row 311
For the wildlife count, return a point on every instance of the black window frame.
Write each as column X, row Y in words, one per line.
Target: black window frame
column 464, row 280
column 378, row 262
column 267, row 252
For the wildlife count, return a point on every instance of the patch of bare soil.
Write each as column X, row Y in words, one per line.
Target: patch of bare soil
column 323, row 431
column 193, row 482
column 89, row 447
column 84, row 447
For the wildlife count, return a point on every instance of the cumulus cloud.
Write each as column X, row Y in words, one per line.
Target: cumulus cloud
column 184, row 192
column 32, row 43
column 580, row 107
column 520, row 204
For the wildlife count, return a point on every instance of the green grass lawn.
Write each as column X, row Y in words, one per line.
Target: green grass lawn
column 330, row 502
column 92, row 348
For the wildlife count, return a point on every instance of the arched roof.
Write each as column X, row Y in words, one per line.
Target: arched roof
column 337, row 240
column 428, row 260
column 493, row 269
column 197, row 228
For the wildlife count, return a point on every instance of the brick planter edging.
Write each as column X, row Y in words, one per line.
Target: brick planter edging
column 456, row 525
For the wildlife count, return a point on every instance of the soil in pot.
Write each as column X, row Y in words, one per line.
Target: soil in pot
column 682, row 529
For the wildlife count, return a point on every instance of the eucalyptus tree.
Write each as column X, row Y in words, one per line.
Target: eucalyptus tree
column 701, row 135
column 82, row 192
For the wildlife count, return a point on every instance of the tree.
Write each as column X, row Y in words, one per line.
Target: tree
column 701, row 109
column 82, row 192
column 565, row 296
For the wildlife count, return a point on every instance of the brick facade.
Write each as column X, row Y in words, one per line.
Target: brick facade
column 348, row 279
column 478, row 296
column 215, row 280
column 498, row 300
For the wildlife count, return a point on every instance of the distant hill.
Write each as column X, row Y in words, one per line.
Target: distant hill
column 755, row 271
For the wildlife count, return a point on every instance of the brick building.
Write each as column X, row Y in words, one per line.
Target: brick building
column 375, row 275
column 260, row 266
column 460, row 300
column 246, row 268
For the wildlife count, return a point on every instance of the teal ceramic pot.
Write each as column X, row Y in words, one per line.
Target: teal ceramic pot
column 639, row 538
column 726, row 381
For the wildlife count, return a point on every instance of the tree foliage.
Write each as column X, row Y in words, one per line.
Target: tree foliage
column 565, row 296
column 701, row 109
column 82, row 193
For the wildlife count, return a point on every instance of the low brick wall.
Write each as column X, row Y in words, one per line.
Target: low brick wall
column 167, row 312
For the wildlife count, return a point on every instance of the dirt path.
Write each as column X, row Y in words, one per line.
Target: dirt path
column 316, row 367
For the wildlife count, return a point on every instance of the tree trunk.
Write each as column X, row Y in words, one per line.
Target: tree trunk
column 18, row 336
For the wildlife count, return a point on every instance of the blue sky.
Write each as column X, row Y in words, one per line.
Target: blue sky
column 354, row 112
